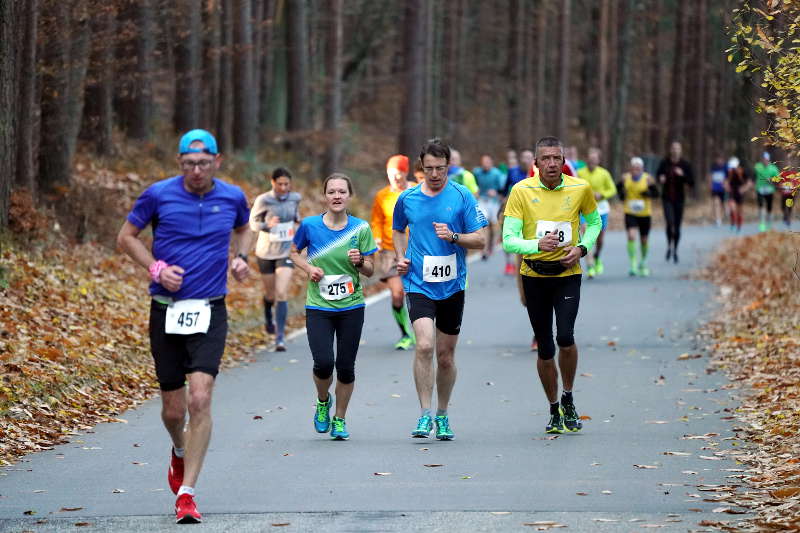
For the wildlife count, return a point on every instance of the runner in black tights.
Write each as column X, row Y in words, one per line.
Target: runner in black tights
column 673, row 173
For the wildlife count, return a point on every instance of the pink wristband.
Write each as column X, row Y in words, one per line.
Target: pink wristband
column 155, row 270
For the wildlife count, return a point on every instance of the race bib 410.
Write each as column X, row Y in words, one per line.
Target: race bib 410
column 439, row 268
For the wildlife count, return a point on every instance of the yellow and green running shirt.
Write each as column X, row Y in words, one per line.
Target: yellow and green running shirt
column 340, row 287
column 533, row 211
column 601, row 182
column 637, row 202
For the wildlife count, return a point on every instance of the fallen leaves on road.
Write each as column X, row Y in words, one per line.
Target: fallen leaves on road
column 685, row 356
column 433, row 465
column 69, row 509
column 647, row 467
column 755, row 339
column 382, row 474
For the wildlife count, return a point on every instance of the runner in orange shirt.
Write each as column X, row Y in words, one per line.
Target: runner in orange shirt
column 381, row 222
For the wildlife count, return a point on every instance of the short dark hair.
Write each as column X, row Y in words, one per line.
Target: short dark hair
column 436, row 148
column 547, row 142
column 338, row 176
column 281, row 172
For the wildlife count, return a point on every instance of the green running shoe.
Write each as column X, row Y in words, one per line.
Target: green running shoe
column 644, row 271
column 443, row 431
column 556, row 424
column 405, row 343
column 339, row 429
column 322, row 418
column 598, row 267
column 591, row 271
column 424, row 428
column 572, row 422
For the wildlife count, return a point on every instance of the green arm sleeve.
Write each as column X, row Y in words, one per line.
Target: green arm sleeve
column 513, row 242
column 593, row 227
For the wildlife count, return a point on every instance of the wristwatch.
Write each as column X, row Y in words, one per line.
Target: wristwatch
column 454, row 237
column 243, row 257
column 584, row 251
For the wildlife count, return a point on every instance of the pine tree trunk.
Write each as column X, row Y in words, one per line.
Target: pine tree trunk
column 99, row 95
column 565, row 54
column 244, row 128
column 225, row 124
column 212, row 64
column 677, row 100
column 267, row 61
column 188, row 63
column 701, row 158
column 620, row 119
column 10, row 12
column 258, row 50
column 297, row 72
column 333, row 101
column 27, row 100
column 414, row 53
column 515, row 72
column 602, row 103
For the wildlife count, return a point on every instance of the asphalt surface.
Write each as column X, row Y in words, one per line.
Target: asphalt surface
column 268, row 470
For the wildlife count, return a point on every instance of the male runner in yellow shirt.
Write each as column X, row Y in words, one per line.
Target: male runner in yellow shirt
column 542, row 223
column 604, row 189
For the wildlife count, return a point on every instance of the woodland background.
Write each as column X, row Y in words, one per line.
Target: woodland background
column 334, row 84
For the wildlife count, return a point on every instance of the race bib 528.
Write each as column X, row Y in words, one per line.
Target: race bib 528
column 562, row 229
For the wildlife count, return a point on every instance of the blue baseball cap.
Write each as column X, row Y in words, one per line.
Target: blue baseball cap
column 198, row 135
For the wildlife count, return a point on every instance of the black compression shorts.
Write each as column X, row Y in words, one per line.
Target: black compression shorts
column 446, row 314
column 643, row 223
column 545, row 295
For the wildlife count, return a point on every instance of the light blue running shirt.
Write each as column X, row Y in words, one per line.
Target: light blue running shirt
column 438, row 268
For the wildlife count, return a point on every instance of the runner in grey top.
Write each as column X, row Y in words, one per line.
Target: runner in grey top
column 274, row 217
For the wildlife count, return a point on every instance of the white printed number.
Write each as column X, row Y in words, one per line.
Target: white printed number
column 186, row 317
column 336, row 287
column 282, row 232
column 562, row 229
column 439, row 268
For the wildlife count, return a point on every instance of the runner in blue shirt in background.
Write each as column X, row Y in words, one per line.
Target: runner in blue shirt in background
column 192, row 216
column 491, row 182
column 444, row 222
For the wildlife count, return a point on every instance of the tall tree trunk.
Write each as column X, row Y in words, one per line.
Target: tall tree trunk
column 677, row 100
column 135, row 106
column 562, row 126
column 411, row 132
column 244, row 102
column 10, row 12
column 601, row 128
column 225, row 125
column 99, row 95
column 542, row 127
column 430, row 47
column 656, row 82
column 515, row 72
column 65, row 62
column 266, row 72
column 701, row 158
column 212, row 64
column 27, row 103
column 297, row 72
column 188, row 26
column 333, row 102
column 620, row 117
column 258, row 50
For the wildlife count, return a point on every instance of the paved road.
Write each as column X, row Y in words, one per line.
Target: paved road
column 499, row 474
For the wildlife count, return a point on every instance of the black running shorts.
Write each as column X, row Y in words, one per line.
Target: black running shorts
column 178, row 355
column 643, row 223
column 446, row 314
column 268, row 266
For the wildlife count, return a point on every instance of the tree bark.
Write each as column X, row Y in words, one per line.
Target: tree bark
column 225, row 124
column 542, row 32
column 565, row 55
column 211, row 64
column 244, row 102
column 297, row 72
column 98, row 122
column 414, row 53
column 677, row 101
column 620, row 117
column 65, row 61
column 515, row 72
column 333, row 102
column 266, row 71
column 9, row 83
column 601, row 128
column 27, row 102
column 188, row 63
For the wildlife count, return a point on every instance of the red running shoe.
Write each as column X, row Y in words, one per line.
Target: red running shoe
column 186, row 510
column 510, row 270
column 175, row 472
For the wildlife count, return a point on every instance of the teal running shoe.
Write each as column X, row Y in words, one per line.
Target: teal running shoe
column 424, row 428
column 598, row 266
column 443, row 431
column 322, row 418
column 339, row 431
column 556, row 424
column 405, row 343
column 644, row 271
column 572, row 422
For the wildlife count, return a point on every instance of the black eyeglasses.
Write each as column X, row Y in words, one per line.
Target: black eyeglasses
column 431, row 170
column 203, row 164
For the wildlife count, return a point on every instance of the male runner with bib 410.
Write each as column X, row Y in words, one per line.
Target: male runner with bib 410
column 444, row 221
column 192, row 216
column 541, row 223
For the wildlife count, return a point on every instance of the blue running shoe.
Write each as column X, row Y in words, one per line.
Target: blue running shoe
column 443, row 431
column 339, row 429
column 424, row 428
column 322, row 418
